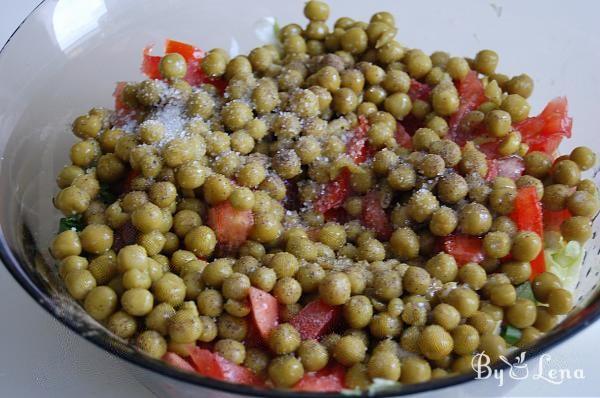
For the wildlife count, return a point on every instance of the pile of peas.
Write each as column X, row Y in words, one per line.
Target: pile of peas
column 410, row 313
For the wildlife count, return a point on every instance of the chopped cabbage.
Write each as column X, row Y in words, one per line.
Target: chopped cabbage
column 565, row 263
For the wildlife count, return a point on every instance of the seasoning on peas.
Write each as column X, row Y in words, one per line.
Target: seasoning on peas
column 217, row 206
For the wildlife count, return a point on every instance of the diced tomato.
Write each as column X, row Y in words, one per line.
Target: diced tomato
column 117, row 95
column 464, row 248
column 492, row 170
column 357, row 147
column 231, row 225
column 236, row 373
column 402, row 137
column 213, row 365
column 553, row 219
column 339, row 215
column 374, row 217
column 188, row 51
column 419, row 90
column 510, row 166
column 150, row 63
column 315, row 319
column 329, row 379
column 264, row 311
column 545, row 131
column 470, row 91
column 175, row 360
column 335, row 193
column 548, row 144
column 206, row 363
column 490, row 149
column 527, row 215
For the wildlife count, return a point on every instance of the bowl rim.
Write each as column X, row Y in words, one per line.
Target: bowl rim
column 118, row 349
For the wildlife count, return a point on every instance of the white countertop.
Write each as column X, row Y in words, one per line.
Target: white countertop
column 40, row 357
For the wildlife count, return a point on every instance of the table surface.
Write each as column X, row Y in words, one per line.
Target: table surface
column 41, row 357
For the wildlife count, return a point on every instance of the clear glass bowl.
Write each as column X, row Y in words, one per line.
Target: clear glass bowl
column 67, row 55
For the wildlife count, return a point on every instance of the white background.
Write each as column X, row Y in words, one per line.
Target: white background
column 39, row 357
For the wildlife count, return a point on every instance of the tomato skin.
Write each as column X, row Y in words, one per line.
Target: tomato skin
column 374, row 217
column 175, row 360
column 402, row 137
column 265, row 312
column 315, row 319
column 464, row 248
column 335, row 193
column 188, row 51
column 470, row 91
column 206, row 363
column 357, row 147
column 232, row 226
column 150, row 63
column 212, row 365
column 418, row 90
column 528, row 216
column 338, row 190
column 553, row 219
column 328, row 379
column 545, row 131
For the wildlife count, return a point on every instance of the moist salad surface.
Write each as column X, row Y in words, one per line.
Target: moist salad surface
column 328, row 211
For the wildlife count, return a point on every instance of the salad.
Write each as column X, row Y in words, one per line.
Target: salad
column 329, row 211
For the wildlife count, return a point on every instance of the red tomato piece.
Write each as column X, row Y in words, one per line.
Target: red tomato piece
column 150, row 63
column 212, row 365
column 545, row 131
column 231, row 225
column 527, row 215
column 357, row 147
column 264, row 311
column 175, row 360
column 418, row 90
column 188, row 51
column 328, row 379
column 548, row 144
column 492, row 170
column 335, row 193
column 206, row 363
column 315, row 319
column 117, row 95
column 339, row 215
column 470, row 91
column 490, row 149
column 374, row 217
column 553, row 219
column 510, row 166
column 402, row 137
column 236, row 373
column 464, row 248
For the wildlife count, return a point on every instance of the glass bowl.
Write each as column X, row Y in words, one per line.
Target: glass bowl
column 67, row 55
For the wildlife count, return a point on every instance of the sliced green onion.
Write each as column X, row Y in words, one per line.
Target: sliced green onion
column 511, row 334
column 72, row 222
column 524, row 291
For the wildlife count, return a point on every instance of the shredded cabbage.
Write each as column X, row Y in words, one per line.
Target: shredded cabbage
column 565, row 263
column 266, row 30
column 380, row 385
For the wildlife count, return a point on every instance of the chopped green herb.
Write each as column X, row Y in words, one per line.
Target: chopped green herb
column 71, row 222
column 106, row 196
column 524, row 291
column 511, row 334
column 276, row 29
